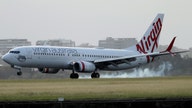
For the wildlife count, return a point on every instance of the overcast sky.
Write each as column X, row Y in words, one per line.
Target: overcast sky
column 87, row 21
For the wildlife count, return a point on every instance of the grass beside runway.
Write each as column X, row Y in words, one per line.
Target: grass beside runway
column 90, row 89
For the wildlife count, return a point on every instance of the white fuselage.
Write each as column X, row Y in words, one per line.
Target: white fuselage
column 62, row 57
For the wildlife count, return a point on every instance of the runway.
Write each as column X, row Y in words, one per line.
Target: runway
column 153, row 92
column 95, row 89
column 129, row 103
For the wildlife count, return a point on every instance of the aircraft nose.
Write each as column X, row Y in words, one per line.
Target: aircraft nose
column 5, row 58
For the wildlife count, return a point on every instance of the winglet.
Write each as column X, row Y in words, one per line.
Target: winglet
column 170, row 47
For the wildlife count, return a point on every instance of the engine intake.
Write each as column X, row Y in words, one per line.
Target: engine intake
column 83, row 66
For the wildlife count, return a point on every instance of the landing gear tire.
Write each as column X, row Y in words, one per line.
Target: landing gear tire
column 95, row 75
column 74, row 76
column 19, row 73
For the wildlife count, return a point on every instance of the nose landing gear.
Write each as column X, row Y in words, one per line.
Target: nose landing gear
column 19, row 73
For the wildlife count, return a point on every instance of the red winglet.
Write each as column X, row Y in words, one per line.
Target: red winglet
column 170, row 47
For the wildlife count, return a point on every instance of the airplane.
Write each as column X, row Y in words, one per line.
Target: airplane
column 51, row 59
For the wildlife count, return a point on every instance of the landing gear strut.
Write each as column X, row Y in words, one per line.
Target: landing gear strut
column 19, row 73
column 74, row 75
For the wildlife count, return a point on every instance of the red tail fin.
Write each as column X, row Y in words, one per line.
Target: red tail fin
column 149, row 41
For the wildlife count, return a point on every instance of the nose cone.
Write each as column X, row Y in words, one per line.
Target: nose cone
column 6, row 58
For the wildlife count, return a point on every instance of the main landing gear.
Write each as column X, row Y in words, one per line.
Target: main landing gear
column 76, row 75
column 95, row 75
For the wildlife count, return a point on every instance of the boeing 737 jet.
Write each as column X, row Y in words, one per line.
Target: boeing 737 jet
column 49, row 59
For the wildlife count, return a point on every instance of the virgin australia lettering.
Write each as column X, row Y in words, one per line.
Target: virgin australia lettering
column 151, row 38
column 89, row 60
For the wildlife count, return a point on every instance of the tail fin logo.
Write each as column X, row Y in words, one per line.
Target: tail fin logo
column 150, row 42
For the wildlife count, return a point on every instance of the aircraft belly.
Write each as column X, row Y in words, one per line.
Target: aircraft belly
column 46, row 62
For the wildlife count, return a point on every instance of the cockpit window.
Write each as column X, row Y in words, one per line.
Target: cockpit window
column 15, row 52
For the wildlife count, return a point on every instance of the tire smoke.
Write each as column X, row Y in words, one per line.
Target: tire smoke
column 138, row 72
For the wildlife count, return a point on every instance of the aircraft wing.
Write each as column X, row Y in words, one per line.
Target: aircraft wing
column 129, row 59
column 102, row 63
column 166, row 53
column 125, row 59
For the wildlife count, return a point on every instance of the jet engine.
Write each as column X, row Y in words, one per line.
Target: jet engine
column 48, row 70
column 83, row 66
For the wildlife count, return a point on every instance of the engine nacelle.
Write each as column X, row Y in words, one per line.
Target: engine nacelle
column 48, row 70
column 83, row 66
